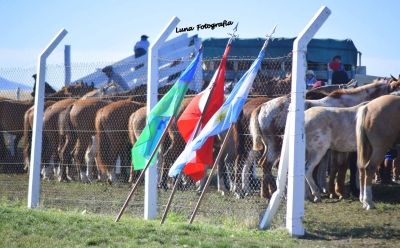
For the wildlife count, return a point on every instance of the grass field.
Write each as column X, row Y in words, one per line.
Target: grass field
column 330, row 223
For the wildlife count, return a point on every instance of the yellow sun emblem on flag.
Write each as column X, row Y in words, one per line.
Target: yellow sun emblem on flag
column 221, row 115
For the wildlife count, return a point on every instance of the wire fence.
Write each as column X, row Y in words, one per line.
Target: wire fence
column 86, row 161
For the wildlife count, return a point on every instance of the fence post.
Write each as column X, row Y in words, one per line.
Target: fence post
column 18, row 94
column 150, row 201
column 34, row 169
column 296, row 135
column 67, row 62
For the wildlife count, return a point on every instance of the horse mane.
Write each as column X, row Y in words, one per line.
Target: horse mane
column 338, row 93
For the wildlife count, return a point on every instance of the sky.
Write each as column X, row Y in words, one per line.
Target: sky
column 107, row 30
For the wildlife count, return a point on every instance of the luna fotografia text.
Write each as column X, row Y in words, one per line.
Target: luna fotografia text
column 204, row 26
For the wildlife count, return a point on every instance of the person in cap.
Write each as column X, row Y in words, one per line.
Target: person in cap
column 339, row 75
column 310, row 79
column 115, row 78
column 141, row 46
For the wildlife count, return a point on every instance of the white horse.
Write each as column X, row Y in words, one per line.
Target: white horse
column 267, row 127
column 327, row 128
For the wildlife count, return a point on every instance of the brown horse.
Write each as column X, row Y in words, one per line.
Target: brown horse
column 271, row 86
column 28, row 125
column 111, row 125
column 243, row 141
column 12, row 121
column 377, row 130
column 71, row 90
column 173, row 144
column 77, row 123
column 50, row 121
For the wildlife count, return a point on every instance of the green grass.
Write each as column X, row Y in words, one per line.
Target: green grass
column 76, row 215
column 36, row 228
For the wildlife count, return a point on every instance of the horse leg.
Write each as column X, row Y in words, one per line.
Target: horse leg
column 313, row 158
column 362, row 185
column 341, row 175
column 17, row 138
column 248, row 164
column 354, row 182
column 65, row 155
column 369, row 175
column 79, row 155
column 332, row 176
column 90, row 156
column 322, row 171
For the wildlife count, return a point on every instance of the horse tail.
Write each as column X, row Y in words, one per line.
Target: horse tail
column 363, row 144
column 103, row 142
column 64, row 122
column 255, row 129
column 27, row 139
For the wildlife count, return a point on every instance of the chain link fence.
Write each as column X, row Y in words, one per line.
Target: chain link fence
column 86, row 161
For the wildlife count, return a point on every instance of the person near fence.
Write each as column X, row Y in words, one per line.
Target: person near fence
column 141, row 46
column 318, row 84
column 310, row 79
column 385, row 169
column 47, row 88
column 115, row 78
column 339, row 75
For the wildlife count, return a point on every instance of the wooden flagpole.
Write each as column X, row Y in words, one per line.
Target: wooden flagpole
column 178, row 179
column 211, row 173
column 144, row 170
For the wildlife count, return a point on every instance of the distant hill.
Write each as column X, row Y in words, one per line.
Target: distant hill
column 10, row 85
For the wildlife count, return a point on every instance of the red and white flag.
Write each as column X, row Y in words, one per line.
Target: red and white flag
column 189, row 119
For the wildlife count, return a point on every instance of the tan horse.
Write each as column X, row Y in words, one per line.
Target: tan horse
column 377, row 130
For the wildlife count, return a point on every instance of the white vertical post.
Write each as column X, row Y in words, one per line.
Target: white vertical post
column 67, row 64
column 18, row 94
column 150, row 201
column 34, row 169
column 11, row 139
column 198, row 80
column 296, row 186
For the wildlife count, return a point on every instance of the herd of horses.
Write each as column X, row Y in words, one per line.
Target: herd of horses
column 87, row 130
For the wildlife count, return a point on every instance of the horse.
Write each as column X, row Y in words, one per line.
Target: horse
column 28, row 125
column 77, row 123
column 242, row 140
column 328, row 128
column 172, row 146
column 267, row 123
column 271, row 86
column 76, row 90
column 111, row 125
column 12, row 121
column 67, row 92
column 377, row 130
column 244, row 120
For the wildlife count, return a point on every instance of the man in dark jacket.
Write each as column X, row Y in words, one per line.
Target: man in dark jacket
column 339, row 75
